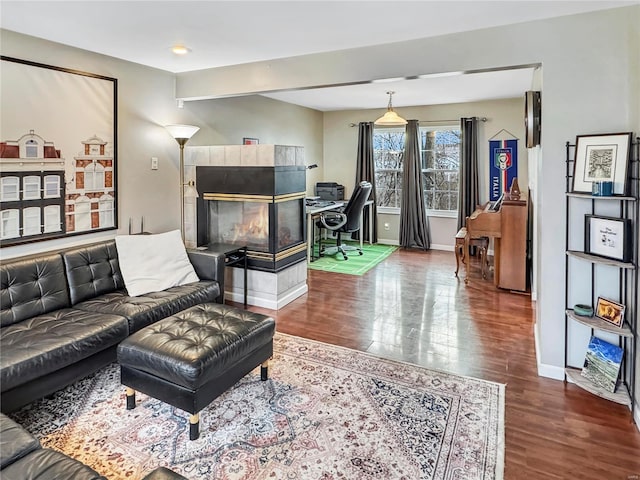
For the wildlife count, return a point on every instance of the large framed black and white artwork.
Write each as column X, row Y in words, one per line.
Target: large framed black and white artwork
column 58, row 152
column 601, row 158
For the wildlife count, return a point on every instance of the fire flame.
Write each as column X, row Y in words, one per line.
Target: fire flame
column 254, row 229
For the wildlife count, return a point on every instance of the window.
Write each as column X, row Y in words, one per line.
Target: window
column 105, row 209
column 440, row 159
column 52, row 219
column 10, row 189
column 388, row 153
column 9, row 226
column 51, row 186
column 31, row 221
column 31, row 149
column 440, row 151
column 83, row 214
column 94, row 177
column 31, row 186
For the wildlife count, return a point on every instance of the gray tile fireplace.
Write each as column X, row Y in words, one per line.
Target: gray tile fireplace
column 260, row 207
column 252, row 195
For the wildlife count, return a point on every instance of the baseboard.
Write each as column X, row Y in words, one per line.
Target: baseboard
column 636, row 416
column 437, row 246
column 291, row 295
column 383, row 241
column 548, row 371
column 433, row 246
column 271, row 304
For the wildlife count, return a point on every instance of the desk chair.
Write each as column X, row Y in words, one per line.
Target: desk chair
column 345, row 221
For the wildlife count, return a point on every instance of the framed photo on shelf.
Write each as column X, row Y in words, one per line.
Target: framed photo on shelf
column 608, row 237
column 610, row 311
column 601, row 158
column 250, row 141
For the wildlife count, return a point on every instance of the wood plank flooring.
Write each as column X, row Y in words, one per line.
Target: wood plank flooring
column 412, row 308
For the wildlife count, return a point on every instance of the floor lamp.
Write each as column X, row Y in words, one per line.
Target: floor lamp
column 182, row 134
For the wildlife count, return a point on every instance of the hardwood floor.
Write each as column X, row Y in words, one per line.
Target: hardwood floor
column 412, row 308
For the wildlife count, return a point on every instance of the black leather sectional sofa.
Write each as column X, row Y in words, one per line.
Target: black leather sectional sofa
column 63, row 315
column 22, row 458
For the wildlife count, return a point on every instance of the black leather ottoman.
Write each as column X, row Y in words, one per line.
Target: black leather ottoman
column 189, row 359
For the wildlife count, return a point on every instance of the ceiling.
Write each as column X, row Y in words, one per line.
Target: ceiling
column 222, row 33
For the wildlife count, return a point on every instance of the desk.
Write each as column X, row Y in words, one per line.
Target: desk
column 313, row 211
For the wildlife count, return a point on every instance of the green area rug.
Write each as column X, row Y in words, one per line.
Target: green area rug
column 356, row 264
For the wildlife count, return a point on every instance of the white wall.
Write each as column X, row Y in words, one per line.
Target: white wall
column 226, row 121
column 341, row 145
column 145, row 104
column 587, row 76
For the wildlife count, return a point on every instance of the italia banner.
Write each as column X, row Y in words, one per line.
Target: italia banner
column 503, row 160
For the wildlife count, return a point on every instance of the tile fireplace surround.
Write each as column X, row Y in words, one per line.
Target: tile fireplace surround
column 265, row 289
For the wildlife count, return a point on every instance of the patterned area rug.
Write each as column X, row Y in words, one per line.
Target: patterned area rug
column 326, row 413
column 356, row 264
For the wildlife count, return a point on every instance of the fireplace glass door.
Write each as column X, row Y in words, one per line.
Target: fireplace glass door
column 290, row 228
column 261, row 226
column 240, row 223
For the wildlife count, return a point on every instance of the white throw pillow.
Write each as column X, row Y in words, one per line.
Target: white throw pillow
column 152, row 263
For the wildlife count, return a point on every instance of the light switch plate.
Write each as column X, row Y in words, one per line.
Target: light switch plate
column 154, row 163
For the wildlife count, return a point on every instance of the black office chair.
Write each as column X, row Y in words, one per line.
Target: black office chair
column 345, row 221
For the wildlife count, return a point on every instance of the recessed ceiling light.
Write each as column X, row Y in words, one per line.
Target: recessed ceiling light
column 180, row 49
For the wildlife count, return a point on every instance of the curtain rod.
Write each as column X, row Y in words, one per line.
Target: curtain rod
column 482, row 119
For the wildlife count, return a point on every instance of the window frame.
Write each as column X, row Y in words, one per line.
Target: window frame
column 9, row 181
column 30, row 214
column 106, row 210
column 48, row 181
column 52, row 221
column 10, row 215
column 429, row 212
column 94, row 177
column 441, row 127
column 28, row 184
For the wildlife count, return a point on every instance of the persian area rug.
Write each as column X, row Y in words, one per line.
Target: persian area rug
column 356, row 264
column 325, row 413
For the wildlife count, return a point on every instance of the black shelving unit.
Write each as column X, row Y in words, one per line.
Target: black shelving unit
column 629, row 208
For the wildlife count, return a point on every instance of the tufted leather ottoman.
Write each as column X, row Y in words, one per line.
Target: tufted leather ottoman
column 189, row 359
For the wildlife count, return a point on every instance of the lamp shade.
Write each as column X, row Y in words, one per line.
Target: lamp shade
column 390, row 119
column 182, row 131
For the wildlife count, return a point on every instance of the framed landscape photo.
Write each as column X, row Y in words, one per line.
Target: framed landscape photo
column 601, row 158
column 610, row 311
column 608, row 237
column 602, row 363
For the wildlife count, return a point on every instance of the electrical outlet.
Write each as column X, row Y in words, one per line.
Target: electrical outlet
column 154, row 163
column 386, row 226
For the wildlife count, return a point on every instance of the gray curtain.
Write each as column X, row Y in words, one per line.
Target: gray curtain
column 414, row 229
column 365, row 171
column 468, row 188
